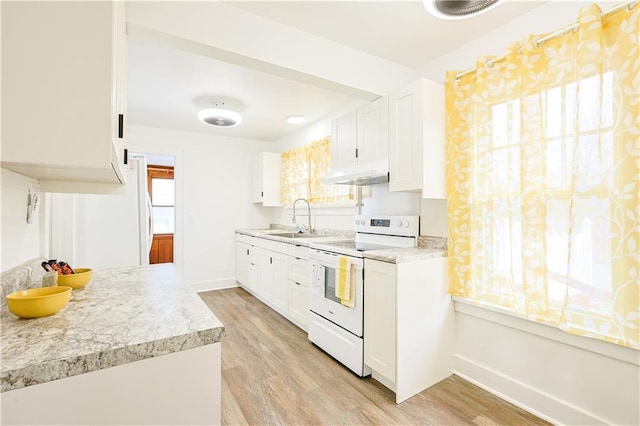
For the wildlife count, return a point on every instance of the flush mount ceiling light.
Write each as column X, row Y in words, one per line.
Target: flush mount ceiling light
column 220, row 116
column 296, row 119
column 458, row 9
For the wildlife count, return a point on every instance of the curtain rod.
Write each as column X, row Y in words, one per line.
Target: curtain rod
column 538, row 41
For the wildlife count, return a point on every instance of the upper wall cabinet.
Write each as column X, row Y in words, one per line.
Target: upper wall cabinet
column 266, row 179
column 63, row 93
column 343, row 141
column 361, row 136
column 416, row 141
column 373, row 131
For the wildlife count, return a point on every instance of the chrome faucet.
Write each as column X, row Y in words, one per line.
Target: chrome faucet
column 293, row 219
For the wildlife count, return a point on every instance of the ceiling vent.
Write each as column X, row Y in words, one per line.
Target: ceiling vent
column 458, row 9
column 220, row 116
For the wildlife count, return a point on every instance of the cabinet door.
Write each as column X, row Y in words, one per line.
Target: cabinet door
column 434, row 169
column 242, row 263
column 266, row 179
column 343, row 141
column 253, row 275
column 265, row 275
column 258, row 192
column 373, row 131
column 380, row 318
column 298, row 303
column 120, row 83
column 280, row 282
column 406, row 137
column 72, row 81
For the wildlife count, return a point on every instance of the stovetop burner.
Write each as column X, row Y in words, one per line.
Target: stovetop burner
column 376, row 233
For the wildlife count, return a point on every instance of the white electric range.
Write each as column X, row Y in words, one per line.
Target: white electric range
column 334, row 327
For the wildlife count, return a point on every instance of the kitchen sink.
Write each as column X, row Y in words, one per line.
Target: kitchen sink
column 292, row 235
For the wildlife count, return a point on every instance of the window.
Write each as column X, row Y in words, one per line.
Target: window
column 578, row 268
column 162, row 192
column 303, row 169
column 543, row 179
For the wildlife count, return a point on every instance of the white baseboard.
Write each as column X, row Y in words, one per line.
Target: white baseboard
column 535, row 401
column 214, row 285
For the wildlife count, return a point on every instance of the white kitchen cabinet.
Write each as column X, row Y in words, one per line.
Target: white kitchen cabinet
column 63, row 94
column 266, row 179
column 273, row 275
column 246, row 266
column 409, row 324
column 417, row 139
column 247, row 262
column 362, row 136
column 299, row 277
column 280, row 272
column 276, row 273
column 373, row 131
column 242, row 263
column 343, row 141
column 299, row 304
column 380, row 318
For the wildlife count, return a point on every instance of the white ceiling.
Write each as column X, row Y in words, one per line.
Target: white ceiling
column 167, row 87
column 167, row 84
column 399, row 31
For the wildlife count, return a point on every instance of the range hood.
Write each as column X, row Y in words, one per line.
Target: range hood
column 362, row 174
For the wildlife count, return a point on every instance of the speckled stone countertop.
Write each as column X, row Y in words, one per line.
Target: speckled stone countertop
column 122, row 315
column 402, row 255
column 322, row 236
column 428, row 247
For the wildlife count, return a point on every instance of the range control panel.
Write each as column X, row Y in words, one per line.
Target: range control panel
column 406, row 226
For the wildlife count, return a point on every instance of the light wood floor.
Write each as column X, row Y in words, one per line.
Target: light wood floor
column 272, row 374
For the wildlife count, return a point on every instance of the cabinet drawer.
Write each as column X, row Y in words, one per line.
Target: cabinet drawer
column 300, row 252
column 246, row 239
column 299, row 271
column 273, row 245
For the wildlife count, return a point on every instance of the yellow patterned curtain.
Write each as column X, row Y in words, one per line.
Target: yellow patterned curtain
column 294, row 177
column 302, row 171
column 543, row 166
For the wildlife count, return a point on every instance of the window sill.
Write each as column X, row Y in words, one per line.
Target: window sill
column 518, row 322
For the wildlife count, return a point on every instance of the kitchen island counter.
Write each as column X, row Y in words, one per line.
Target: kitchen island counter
column 123, row 315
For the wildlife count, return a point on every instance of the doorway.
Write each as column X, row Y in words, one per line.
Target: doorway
column 162, row 194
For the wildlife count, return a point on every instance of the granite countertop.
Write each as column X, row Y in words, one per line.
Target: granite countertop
column 122, row 315
column 428, row 247
column 322, row 237
column 402, row 255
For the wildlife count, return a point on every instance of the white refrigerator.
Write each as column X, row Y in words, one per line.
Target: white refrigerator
column 116, row 230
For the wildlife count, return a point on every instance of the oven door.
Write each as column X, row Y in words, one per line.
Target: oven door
column 322, row 298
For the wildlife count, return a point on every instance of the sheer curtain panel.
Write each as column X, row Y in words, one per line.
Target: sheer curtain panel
column 543, row 166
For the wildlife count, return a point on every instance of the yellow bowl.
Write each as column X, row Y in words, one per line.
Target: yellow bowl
column 77, row 280
column 38, row 302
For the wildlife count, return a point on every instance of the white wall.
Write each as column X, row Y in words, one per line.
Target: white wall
column 560, row 381
column 213, row 194
column 564, row 378
column 20, row 240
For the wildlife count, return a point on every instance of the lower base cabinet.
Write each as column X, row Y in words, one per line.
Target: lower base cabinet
column 299, row 303
column 246, row 263
column 277, row 274
column 408, row 324
column 273, row 285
